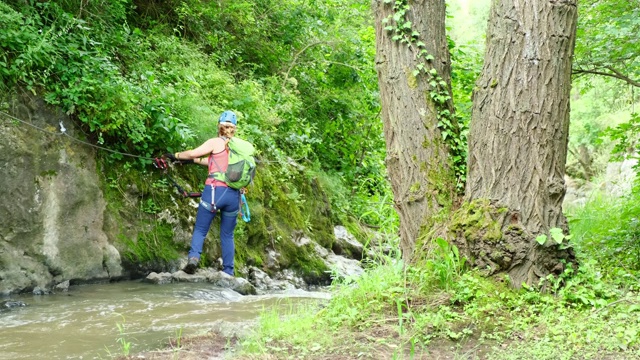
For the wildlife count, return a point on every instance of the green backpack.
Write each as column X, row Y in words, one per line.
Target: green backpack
column 242, row 164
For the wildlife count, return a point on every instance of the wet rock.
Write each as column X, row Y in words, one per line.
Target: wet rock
column 346, row 244
column 259, row 278
column 10, row 304
column 291, row 278
column 340, row 265
column 159, row 279
column 63, row 286
column 41, row 291
column 244, row 287
column 343, row 267
column 54, row 227
column 301, row 241
column 273, row 262
column 222, row 279
column 322, row 252
column 263, row 281
column 217, row 278
column 198, row 277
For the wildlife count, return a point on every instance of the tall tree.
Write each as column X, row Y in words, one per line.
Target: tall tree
column 518, row 137
column 413, row 65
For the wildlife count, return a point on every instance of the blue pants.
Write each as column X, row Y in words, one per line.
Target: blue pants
column 227, row 200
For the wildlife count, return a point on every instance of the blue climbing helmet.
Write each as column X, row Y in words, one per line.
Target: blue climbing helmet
column 228, row 117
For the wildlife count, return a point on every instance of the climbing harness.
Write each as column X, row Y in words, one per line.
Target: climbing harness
column 243, row 211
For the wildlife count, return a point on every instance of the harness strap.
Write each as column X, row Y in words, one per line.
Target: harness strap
column 207, row 206
column 229, row 213
column 211, row 208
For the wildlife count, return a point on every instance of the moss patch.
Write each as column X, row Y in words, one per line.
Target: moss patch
column 152, row 245
column 475, row 220
column 412, row 81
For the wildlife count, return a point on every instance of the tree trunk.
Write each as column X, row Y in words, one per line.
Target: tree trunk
column 417, row 157
column 518, row 136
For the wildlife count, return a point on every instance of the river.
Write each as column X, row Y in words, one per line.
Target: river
column 87, row 321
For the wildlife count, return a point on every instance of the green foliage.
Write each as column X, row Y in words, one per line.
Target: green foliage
column 125, row 346
column 606, row 40
column 123, row 343
column 607, row 229
column 156, row 244
column 588, row 312
column 149, row 77
column 447, row 264
column 625, row 136
column 153, row 77
column 557, row 236
column 606, row 71
column 596, row 106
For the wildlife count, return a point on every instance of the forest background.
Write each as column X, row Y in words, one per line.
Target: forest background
column 145, row 77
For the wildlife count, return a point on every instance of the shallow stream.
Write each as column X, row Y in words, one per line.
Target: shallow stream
column 87, row 321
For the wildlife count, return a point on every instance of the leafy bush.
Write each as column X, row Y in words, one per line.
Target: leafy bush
column 607, row 230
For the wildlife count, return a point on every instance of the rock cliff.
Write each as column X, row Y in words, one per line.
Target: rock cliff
column 51, row 207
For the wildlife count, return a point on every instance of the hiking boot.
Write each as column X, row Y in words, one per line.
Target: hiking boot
column 192, row 265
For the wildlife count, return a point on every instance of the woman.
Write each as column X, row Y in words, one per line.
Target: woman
column 225, row 199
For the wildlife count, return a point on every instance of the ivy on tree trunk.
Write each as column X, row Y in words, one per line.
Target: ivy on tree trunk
column 411, row 53
column 518, row 138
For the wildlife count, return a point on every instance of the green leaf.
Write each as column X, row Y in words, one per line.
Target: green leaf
column 557, row 235
column 541, row 239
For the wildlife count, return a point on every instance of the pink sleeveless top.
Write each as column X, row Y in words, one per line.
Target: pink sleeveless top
column 221, row 161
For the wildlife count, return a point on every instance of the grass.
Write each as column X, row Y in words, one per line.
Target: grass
column 437, row 309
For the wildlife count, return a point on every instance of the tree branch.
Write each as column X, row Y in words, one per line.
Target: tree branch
column 295, row 59
column 614, row 74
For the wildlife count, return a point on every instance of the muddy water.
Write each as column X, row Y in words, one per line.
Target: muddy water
column 87, row 321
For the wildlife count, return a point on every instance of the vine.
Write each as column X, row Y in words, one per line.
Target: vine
column 453, row 131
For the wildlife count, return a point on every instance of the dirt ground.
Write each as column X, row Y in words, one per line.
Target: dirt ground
column 376, row 344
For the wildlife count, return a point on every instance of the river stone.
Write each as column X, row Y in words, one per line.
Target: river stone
column 217, row 278
column 259, row 278
column 159, row 279
column 262, row 281
column 244, row 287
column 63, row 286
column 346, row 244
column 222, row 279
column 41, row 290
column 344, row 267
column 290, row 277
column 273, row 260
column 198, row 277
column 10, row 304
